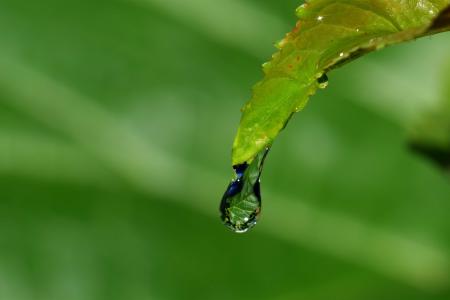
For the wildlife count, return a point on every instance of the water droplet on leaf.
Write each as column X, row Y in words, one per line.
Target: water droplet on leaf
column 301, row 11
column 323, row 81
column 241, row 204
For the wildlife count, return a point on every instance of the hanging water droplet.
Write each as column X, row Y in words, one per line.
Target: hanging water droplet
column 323, row 81
column 241, row 204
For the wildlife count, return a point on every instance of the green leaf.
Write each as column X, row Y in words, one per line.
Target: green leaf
column 328, row 34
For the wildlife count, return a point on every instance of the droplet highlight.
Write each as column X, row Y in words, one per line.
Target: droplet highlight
column 241, row 203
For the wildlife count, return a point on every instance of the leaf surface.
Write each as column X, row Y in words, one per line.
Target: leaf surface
column 328, row 34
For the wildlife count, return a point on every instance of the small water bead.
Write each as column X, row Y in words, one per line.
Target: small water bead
column 241, row 204
column 301, row 10
column 323, row 81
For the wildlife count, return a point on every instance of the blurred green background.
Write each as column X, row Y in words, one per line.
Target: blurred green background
column 116, row 124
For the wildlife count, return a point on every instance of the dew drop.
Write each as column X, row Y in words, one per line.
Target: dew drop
column 241, row 204
column 301, row 11
column 323, row 81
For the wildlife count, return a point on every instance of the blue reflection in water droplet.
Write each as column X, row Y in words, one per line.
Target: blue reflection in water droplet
column 241, row 203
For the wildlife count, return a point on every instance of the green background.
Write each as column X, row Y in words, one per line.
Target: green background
column 116, row 125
